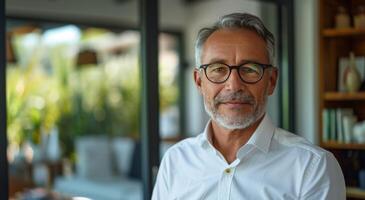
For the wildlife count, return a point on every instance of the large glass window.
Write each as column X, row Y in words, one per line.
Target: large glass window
column 73, row 100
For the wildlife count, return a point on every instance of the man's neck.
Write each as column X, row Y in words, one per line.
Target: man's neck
column 228, row 142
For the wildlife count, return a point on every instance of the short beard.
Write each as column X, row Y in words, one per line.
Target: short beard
column 240, row 122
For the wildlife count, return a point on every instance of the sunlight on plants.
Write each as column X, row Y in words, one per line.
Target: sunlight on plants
column 46, row 89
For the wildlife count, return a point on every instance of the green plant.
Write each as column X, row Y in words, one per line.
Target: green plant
column 48, row 90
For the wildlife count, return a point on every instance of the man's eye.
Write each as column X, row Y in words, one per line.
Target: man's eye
column 219, row 69
column 248, row 70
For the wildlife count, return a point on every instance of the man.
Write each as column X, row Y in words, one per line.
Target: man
column 241, row 154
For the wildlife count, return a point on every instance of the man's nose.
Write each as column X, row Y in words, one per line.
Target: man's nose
column 234, row 82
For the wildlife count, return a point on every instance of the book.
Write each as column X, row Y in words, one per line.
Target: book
column 340, row 133
column 333, row 130
column 325, row 126
column 348, row 125
column 347, row 113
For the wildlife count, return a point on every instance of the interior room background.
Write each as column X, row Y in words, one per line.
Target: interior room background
column 73, row 82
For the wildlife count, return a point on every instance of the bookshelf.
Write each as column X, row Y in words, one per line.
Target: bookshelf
column 356, row 193
column 343, row 146
column 334, row 45
column 342, row 96
column 346, row 32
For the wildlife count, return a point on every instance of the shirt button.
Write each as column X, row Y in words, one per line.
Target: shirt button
column 228, row 170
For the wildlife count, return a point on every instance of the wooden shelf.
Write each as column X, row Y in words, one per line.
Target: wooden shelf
column 354, row 192
column 336, row 145
column 344, row 96
column 342, row 32
column 334, row 44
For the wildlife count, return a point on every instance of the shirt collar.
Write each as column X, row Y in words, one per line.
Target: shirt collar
column 205, row 138
column 261, row 138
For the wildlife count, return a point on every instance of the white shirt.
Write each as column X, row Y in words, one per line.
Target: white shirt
column 274, row 164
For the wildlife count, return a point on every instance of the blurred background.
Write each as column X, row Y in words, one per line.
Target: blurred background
column 73, row 87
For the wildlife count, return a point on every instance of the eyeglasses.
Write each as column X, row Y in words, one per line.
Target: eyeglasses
column 250, row 72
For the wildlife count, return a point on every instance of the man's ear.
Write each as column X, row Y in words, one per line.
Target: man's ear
column 273, row 80
column 197, row 79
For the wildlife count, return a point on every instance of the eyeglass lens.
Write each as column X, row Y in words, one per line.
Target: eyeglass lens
column 218, row 72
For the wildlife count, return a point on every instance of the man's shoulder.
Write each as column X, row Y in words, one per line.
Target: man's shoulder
column 287, row 140
column 184, row 146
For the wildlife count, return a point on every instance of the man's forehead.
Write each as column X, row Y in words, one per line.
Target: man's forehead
column 223, row 46
column 234, row 45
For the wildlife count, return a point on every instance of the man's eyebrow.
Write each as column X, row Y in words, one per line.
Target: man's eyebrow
column 247, row 61
column 241, row 62
column 217, row 60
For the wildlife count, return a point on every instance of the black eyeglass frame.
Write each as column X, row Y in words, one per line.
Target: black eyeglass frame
column 231, row 67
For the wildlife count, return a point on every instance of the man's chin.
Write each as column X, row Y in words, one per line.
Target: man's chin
column 233, row 125
column 234, row 121
column 235, row 116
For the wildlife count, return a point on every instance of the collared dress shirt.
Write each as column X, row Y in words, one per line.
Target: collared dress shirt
column 274, row 164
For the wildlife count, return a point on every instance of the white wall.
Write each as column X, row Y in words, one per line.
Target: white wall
column 268, row 13
column 306, row 84
column 173, row 14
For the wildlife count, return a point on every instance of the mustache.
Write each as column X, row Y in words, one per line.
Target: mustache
column 234, row 96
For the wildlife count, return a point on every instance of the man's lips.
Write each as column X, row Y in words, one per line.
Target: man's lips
column 236, row 102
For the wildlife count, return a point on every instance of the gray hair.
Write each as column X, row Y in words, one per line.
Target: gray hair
column 236, row 20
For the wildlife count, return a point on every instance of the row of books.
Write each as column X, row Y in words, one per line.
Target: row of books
column 338, row 125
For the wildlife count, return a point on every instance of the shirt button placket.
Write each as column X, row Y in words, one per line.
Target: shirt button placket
column 225, row 185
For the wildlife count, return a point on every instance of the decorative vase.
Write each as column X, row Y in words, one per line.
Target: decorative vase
column 342, row 18
column 359, row 18
column 352, row 77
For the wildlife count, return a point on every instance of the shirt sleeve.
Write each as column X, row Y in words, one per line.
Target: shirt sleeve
column 323, row 180
column 161, row 189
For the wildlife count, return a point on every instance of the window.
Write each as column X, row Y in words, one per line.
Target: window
column 73, row 100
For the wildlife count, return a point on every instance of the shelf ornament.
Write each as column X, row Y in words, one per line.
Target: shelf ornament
column 342, row 18
column 352, row 77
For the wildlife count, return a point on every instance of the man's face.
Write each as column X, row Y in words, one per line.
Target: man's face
column 235, row 104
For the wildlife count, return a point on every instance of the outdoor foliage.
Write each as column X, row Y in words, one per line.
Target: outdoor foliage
column 46, row 89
